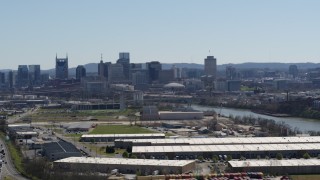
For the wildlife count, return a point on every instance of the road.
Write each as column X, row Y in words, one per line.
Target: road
column 9, row 168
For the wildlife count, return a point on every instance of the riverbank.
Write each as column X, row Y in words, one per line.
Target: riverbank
column 271, row 114
column 298, row 123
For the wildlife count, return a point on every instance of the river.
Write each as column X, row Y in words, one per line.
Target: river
column 303, row 124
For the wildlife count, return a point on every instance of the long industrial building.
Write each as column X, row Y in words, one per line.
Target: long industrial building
column 124, row 143
column 112, row 137
column 248, row 151
column 125, row 166
column 277, row 167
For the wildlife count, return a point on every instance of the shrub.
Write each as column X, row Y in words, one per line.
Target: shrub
column 279, row 156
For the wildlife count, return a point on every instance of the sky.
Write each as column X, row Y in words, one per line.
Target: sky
column 169, row 31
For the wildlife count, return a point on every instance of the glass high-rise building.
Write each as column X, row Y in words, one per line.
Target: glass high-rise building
column 153, row 68
column 62, row 71
column 80, row 72
column 22, row 76
column 124, row 60
column 34, row 74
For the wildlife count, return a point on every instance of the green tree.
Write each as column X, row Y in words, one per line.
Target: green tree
column 279, row 156
column 215, row 158
column 229, row 158
column 306, row 156
column 200, row 158
column 110, row 149
column 125, row 154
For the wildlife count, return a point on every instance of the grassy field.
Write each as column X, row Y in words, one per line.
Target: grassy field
column 120, row 129
column 305, row 177
column 57, row 115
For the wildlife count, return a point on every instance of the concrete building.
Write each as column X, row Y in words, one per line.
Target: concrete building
column 112, row 137
column 124, row 166
column 277, row 167
column 140, row 79
column 233, row 85
column 231, row 73
column 115, row 73
column 80, row 72
column 220, row 85
column 150, row 113
column 166, row 75
column 280, row 84
column 210, row 66
column 62, row 71
column 293, row 70
column 94, row 84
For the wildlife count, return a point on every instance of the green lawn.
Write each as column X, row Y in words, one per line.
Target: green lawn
column 119, row 129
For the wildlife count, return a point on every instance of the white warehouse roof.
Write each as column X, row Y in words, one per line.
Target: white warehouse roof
column 122, row 161
column 226, row 148
column 275, row 163
column 250, row 140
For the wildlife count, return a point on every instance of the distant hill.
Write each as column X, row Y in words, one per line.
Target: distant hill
column 251, row 65
column 92, row 68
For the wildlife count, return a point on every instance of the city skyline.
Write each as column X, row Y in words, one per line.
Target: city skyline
column 234, row 32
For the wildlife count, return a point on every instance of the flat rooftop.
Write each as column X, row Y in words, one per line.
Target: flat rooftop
column 226, row 148
column 119, row 136
column 276, row 163
column 247, row 140
column 123, row 161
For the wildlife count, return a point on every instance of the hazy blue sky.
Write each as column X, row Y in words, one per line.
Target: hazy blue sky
column 32, row 32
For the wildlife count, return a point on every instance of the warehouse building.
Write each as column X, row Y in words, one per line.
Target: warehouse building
column 59, row 150
column 125, row 166
column 124, row 143
column 249, row 151
column 169, row 115
column 277, row 167
column 112, row 137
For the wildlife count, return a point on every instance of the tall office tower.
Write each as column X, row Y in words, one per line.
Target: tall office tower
column 10, row 79
column 62, row 68
column 2, row 78
column 103, row 69
column 115, row 73
column 34, row 74
column 124, row 60
column 153, row 68
column 293, row 70
column 210, row 66
column 22, row 77
column 177, row 72
column 80, row 72
column 231, row 73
